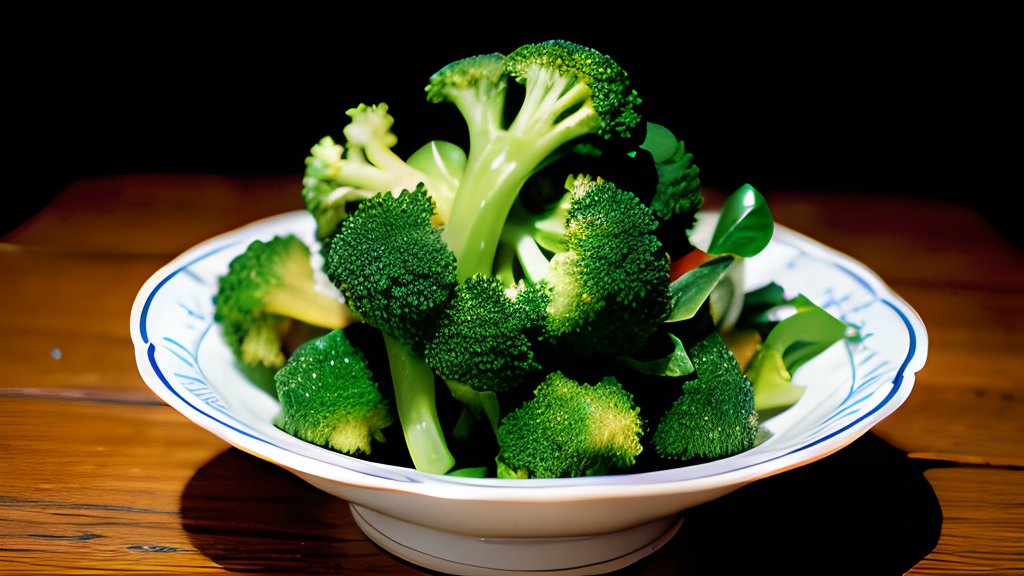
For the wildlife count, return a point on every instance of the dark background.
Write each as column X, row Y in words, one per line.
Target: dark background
column 867, row 101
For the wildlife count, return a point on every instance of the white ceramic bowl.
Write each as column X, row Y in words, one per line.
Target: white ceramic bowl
column 491, row 526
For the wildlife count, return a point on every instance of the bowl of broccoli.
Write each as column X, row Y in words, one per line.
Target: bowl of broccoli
column 509, row 361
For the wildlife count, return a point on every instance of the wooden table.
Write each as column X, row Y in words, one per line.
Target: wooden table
column 98, row 476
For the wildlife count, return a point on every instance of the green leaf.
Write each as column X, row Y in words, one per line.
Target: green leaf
column 676, row 363
column 745, row 226
column 764, row 298
column 789, row 345
column 805, row 335
column 690, row 290
column 660, row 143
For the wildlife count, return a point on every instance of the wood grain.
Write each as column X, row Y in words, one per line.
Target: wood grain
column 85, row 294
column 983, row 522
column 95, row 486
column 62, row 359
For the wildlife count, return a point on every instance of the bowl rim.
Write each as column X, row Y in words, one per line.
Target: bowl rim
column 625, row 485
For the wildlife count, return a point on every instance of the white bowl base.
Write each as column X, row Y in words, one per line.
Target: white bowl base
column 458, row 554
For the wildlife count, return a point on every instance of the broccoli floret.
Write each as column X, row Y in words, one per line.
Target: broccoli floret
column 330, row 183
column 570, row 429
column 329, row 397
column 395, row 270
column 393, row 266
column 565, row 78
column 571, row 91
column 610, row 286
column 266, row 286
column 485, row 339
column 477, row 87
column 715, row 415
column 337, row 175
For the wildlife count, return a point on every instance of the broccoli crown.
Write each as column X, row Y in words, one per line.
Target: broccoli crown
column 485, row 72
column 393, row 266
column 610, row 286
column 715, row 415
column 570, row 429
column 611, row 97
column 328, row 396
column 265, row 285
column 485, row 338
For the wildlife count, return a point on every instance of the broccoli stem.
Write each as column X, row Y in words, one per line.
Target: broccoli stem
column 417, row 408
column 556, row 110
column 483, row 109
column 310, row 307
column 503, row 263
column 536, row 266
column 487, row 191
column 479, row 405
column 363, row 175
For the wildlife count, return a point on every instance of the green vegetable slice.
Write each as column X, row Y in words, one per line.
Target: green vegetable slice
column 789, row 345
column 690, row 290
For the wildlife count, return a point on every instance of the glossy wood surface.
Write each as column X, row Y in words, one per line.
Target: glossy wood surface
column 98, row 476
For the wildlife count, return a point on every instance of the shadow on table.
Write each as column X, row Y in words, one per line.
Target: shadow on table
column 867, row 509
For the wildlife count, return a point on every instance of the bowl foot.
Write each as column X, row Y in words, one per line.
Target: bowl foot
column 457, row 554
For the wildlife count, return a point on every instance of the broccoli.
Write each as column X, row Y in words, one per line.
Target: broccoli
column 477, row 87
column 397, row 272
column 490, row 290
column 610, row 285
column 527, row 235
column 485, row 337
column 417, row 408
column 265, row 287
column 329, row 397
column 570, row 429
column 393, row 266
column 571, row 91
column 714, row 416
column 337, row 175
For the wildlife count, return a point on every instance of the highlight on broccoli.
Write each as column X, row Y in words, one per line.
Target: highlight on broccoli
column 570, row 429
column 714, row 417
column 266, row 287
column 329, row 397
